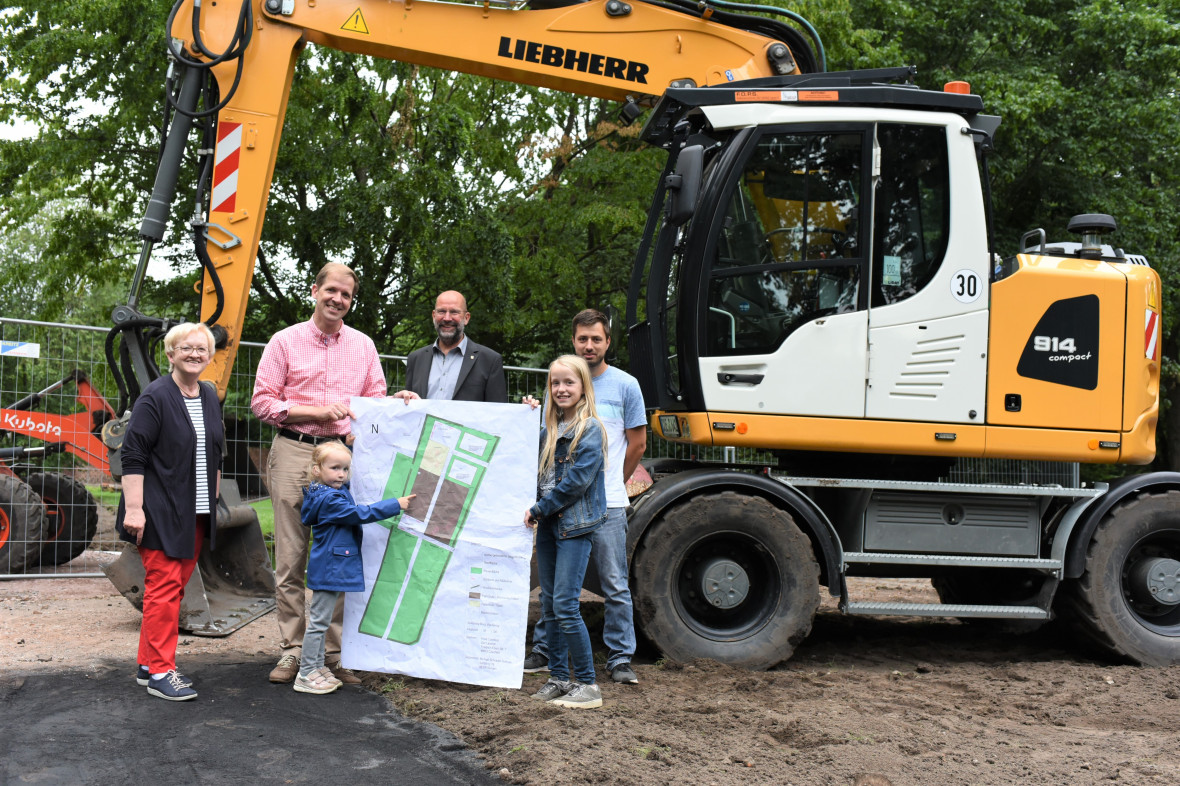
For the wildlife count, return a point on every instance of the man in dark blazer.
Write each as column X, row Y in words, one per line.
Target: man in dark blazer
column 455, row 367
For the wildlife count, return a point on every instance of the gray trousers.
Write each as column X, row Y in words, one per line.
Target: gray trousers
column 319, row 617
column 285, row 467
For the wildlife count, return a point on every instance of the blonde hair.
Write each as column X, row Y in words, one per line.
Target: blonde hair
column 184, row 330
column 338, row 269
column 584, row 412
column 320, row 455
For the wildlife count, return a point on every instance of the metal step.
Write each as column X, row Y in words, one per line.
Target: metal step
column 1014, row 490
column 946, row 610
column 881, row 558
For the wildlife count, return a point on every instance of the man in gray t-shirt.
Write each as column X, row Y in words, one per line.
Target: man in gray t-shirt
column 620, row 407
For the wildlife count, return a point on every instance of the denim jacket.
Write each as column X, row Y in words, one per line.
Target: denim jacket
column 577, row 505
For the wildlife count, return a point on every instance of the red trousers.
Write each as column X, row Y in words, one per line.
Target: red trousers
column 163, row 589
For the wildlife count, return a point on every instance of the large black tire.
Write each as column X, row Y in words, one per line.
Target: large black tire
column 1112, row 603
column 983, row 586
column 727, row 577
column 22, row 526
column 72, row 516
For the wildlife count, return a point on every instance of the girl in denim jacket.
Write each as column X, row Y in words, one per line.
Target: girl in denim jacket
column 571, row 503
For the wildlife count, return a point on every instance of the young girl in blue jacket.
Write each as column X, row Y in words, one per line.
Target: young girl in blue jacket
column 334, row 565
column 571, row 504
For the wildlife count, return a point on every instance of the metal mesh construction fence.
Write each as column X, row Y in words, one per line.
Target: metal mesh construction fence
column 58, row 500
column 56, row 390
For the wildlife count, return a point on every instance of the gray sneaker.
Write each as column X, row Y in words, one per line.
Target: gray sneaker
column 580, row 696
column 535, row 662
column 553, row 689
column 624, row 673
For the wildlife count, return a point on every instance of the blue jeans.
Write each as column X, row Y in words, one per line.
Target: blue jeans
column 319, row 617
column 609, row 551
column 561, row 563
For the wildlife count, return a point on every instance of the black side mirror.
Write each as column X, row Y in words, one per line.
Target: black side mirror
column 685, row 184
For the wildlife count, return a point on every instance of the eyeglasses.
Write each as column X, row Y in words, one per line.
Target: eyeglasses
column 196, row 351
column 448, row 312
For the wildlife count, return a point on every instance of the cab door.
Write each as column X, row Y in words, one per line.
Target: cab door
column 928, row 312
column 784, row 329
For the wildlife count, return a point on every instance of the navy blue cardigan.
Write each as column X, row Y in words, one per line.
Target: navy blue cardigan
column 161, row 445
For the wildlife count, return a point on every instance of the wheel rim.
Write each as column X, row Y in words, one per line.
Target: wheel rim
column 57, row 519
column 5, row 528
column 727, row 586
column 1151, row 572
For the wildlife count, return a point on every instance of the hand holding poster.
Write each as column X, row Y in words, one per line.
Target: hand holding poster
column 446, row 582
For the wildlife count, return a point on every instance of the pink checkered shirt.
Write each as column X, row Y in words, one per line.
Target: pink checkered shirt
column 302, row 366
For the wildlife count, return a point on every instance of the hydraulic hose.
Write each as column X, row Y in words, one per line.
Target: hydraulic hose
column 820, row 54
column 207, row 263
column 805, row 56
column 236, row 50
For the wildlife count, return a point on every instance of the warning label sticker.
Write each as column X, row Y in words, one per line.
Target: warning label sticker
column 356, row 23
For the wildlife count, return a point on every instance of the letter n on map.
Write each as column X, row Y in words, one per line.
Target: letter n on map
column 444, row 473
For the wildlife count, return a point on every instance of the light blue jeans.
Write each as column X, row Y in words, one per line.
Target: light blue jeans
column 609, row 552
column 562, row 562
column 319, row 617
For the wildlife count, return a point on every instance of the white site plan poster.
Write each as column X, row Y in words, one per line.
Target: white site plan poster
column 446, row 582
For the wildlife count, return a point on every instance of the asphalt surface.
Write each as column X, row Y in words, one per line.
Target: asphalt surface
column 101, row 728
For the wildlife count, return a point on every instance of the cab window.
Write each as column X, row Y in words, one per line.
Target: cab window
column 912, row 210
column 788, row 246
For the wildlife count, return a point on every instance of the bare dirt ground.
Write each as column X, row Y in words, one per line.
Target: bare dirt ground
column 865, row 701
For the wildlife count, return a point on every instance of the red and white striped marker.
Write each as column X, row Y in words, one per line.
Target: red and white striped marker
column 1151, row 330
column 225, row 168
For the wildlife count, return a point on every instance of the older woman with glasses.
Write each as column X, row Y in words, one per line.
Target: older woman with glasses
column 171, row 475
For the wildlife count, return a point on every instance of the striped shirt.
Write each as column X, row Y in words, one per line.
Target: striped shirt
column 303, row 366
column 193, row 405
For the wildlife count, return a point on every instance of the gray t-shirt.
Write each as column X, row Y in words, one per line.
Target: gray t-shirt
column 620, row 406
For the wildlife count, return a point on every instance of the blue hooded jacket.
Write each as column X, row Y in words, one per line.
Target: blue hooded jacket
column 336, row 519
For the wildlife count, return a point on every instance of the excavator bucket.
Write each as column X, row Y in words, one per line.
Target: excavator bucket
column 232, row 585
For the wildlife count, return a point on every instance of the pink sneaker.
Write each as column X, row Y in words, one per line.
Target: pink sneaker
column 328, row 676
column 314, row 683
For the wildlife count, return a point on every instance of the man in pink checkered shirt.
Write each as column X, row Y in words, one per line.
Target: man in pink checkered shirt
column 307, row 375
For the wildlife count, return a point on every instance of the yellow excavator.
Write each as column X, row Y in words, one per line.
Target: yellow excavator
column 229, row 78
column 818, row 279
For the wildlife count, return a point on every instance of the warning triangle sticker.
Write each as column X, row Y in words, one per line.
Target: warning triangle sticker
column 356, row 23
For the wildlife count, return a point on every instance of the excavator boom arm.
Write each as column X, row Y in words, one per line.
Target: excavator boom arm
column 604, row 48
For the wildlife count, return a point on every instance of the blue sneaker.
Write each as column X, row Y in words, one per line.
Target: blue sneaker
column 171, row 687
column 143, row 674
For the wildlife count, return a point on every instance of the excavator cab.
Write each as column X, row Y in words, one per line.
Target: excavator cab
column 836, row 289
column 813, row 287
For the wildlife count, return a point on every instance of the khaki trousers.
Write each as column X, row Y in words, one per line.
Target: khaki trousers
column 286, row 472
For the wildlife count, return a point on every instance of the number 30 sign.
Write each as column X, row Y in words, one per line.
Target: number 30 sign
column 966, row 286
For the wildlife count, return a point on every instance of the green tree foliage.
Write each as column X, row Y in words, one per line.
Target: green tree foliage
column 64, row 191
column 396, row 170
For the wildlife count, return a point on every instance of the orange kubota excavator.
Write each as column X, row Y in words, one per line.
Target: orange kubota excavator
column 818, row 279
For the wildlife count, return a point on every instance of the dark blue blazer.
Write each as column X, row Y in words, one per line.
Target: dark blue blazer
column 481, row 375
